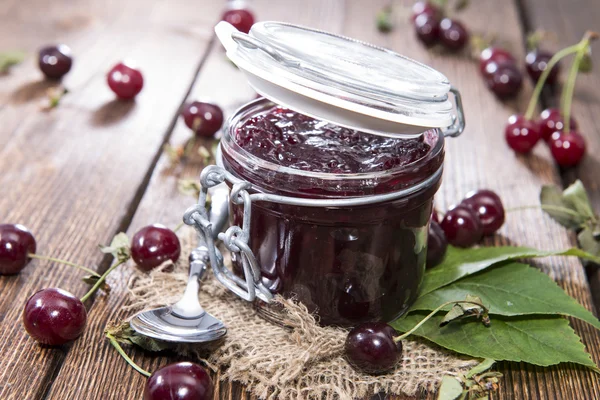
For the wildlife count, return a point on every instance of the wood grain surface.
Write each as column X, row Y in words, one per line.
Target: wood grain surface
column 80, row 173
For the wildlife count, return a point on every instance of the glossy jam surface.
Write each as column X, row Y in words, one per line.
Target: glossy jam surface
column 347, row 264
column 290, row 139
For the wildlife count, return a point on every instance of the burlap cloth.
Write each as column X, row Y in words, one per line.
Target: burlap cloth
column 303, row 361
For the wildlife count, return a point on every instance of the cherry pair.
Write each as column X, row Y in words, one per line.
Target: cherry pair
column 480, row 213
column 567, row 148
column 431, row 28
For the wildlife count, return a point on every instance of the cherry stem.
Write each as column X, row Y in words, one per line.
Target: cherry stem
column 100, row 281
column 120, row 350
column 540, row 83
column 566, row 100
column 179, row 226
column 56, row 260
column 403, row 336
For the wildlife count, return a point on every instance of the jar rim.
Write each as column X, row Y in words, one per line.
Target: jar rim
column 229, row 145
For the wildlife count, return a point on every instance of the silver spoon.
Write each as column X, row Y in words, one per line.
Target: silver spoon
column 186, row 321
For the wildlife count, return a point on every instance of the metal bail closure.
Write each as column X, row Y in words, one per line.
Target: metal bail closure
column 235, row 238
column 458, row 121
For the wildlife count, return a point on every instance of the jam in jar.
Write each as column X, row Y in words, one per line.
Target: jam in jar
column 348, row 264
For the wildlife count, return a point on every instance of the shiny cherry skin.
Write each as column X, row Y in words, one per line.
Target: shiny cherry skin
column 521, row 134
column 503, row 78
column 551, row 121
column 567, row 149
column 536, row 62
column 453, row 34
column 425, row 7
column 125, row 80
column 240, row 18
column 16, row 242
column 496, row 55
column 370, row 347
column 462, row 226
column 437, row 244
column 54, row 317
column 488, row 207
column 55, row 61
column 427, row 28
column 179, row 381
column 153, row 245
column 205, row 119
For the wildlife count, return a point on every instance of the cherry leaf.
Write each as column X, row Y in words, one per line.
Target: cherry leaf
column 510, row 290
column 538, row 340
column 554, row 204
column 124, row 333
column 459, row 263
column 119, row 247
column 450, row 388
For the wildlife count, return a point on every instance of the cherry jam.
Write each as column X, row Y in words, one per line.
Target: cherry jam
column 348, row 264
column 290, row 139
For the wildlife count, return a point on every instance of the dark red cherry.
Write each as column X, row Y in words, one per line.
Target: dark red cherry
column 488, row 207
column 370, row 347
column 55, row 61
column 536, row 62
column 425, row 7
column 125, row 80
column 16, row 242
column 153, row 245
column 203, row 118
column 462, row 226
column 436, row 244
column 179, row 381
column 496, row 55
column 504, row 79
column 521, row 134
column 54, row 317
column 240, row 18
column 551, row 121
column 427, row 28
column 567, row 148
column 453, row 34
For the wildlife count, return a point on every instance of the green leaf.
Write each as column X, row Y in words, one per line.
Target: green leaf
column 10, row 58
column 384, row 20
column 124, row 333
column 554, row 204
column 588, row 242
column 481, row 367
column 459, row 263
column 450, row 388
column 536, row 340
column 576, row 197
column 119, row 247
column 510, row 290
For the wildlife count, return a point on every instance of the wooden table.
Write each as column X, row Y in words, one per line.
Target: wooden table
column 94, row 166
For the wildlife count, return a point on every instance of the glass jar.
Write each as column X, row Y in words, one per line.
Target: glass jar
column 345, row 263
column 350, row 246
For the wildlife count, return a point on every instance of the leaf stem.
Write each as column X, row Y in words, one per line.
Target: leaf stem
column 540, row 83
column 57, row 260
column 120, row 350
column 431, row 314
column 100, row 281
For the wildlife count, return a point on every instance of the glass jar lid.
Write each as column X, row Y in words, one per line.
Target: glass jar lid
column 341, row 80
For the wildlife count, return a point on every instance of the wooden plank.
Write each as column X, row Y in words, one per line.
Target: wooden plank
column 569, row 21
column 75, row 174
column 223, row 84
